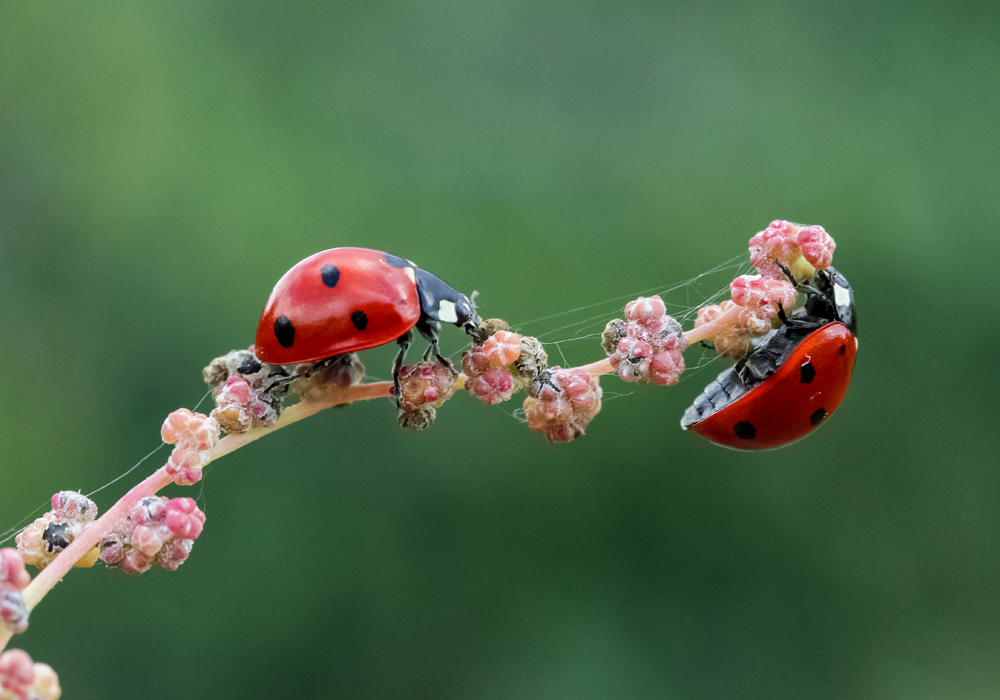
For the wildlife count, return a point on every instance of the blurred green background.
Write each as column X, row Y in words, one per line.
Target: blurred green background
column 162, row 164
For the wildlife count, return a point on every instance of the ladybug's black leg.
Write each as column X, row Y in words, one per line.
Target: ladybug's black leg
column 803, row 288
column 429, row 330
column 782, row 315
column 397, row 364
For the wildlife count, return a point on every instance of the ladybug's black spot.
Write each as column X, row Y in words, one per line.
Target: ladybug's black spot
column 807, row 372
column 249, row 366
column 396, row 261
column 745, row 430
column 284, row 331
column 843, row 348
column 56, row 537
column 817, row 417
column 331, row 275
column 359, row 320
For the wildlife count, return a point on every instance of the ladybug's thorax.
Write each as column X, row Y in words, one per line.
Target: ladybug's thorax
column 439, row 301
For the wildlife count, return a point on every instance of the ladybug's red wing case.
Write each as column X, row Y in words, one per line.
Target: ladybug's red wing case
column 803, row 392
column 335, row 302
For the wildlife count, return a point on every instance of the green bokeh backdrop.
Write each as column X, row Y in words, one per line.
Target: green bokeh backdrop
column 161, row 164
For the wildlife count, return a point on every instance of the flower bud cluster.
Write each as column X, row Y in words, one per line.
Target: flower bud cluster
column 194, row 435
column 760, row 299
column 158, row 531
column 41, row 542
column 487, row 367
column 648, row 346
column 424, row 387
column 13, row 580
column 247, row 392
column 20, row 679
column 801, row 249
column 561, row 402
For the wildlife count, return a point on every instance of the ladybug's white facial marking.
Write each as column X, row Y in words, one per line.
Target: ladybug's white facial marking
column 841, row 295
column 446, row 311
column 411, row 274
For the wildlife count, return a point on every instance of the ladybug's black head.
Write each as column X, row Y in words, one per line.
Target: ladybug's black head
column 835, row 301
column 439, row 301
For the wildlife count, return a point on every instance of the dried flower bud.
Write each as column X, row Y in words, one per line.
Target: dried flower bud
column 13, row 610
column 533, row 359
column 40, row 543
column 419, row 418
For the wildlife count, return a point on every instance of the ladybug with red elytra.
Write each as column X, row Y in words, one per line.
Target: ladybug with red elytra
column 793, row 378
column 344, row 300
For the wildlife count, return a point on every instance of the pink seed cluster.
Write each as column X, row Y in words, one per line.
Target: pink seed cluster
column 158, row 531
column 648, row 347
column 41, row 542
column 13, row 579
column 563, row 403
column 486, row 367
column 20, row 679
column 193, row 436
column 790, row 244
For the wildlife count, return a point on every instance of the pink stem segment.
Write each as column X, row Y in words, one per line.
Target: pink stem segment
column 103, row 526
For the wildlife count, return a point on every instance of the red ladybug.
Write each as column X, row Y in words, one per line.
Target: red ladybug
column 791, row 381
column 344, row 300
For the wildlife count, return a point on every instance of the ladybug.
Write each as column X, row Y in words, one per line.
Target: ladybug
column 792, row 380
column 344, row 300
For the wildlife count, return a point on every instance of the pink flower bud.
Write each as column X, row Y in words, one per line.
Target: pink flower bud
column 492, row 387
column 645, row 309
column 184, row 518
column 502, row 348
column 761, row 296
column 236, row 389
column 475, row 361
column 71, row 505
column 12, row 571
column 17, row 673
column 146, row 540
column 149, row 510
column 135, row 562
column 817, row 246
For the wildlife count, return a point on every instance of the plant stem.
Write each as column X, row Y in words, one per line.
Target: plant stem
column 104, row 525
